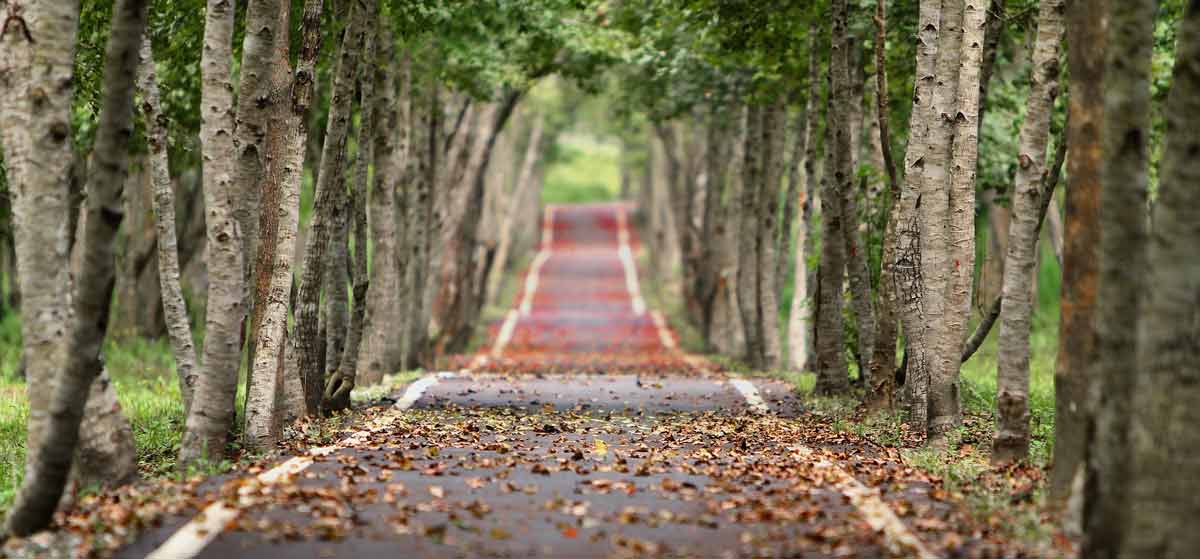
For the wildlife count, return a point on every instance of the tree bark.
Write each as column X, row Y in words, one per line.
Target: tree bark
column 533, row 154
column 773, row 128
column 908, row 267
column 1165, row 447
column 342, row 381
column 50, row 459
column 800, row 316
column 179, row 324
column 882, row 361
column 210, row 418
column 308, row 344
column 748, row 254
column 935, row 210
column 1126, row 137
column 272, row 396
column 382, row 338
column 421, row 222
column 256, row 107
column 832, row 375
column 1011, row 442
column 1087, row 24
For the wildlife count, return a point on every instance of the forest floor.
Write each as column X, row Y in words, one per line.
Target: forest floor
column 584, row 430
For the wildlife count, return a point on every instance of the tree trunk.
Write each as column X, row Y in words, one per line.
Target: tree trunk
column 211, row 416
column 748, row 231
column 1166, row 408
column 458, row 319
column 257, row 106
column 342, row 381
column 322, row 228
column 1087, row 24
column 774, row 126
column 50, row 455
column 800, row 317
column 1126, row 137
column 533, row 154
column 945, row 411
column 421, row 222
column 382, row 338
column 1011, row 442
column 832, row 376
column 179, row 324
column 272, row 395
column 935, row 211
column 713, row 229
column 882, row 387
column 908, row 268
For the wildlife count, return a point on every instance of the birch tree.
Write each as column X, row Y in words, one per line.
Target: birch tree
column 269, row 386
column 179, row 323
column 309, row 362
column 50, row 455
column 211, row 415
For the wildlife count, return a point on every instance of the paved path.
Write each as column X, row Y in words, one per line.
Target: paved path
column 581, row 430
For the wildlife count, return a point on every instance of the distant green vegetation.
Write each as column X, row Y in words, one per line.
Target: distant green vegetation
column 585, row 169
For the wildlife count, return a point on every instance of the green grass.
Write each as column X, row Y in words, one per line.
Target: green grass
column 143, row 372
column 585, row 170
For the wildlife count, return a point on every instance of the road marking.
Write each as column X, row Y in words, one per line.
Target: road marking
column 203, row 528
column 627, row 262
column 750, row 393
column 506, row 333
column 878, row 515
column 535, row 269
column 664, row 335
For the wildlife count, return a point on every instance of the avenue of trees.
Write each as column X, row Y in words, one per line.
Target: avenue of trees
column 329, row 191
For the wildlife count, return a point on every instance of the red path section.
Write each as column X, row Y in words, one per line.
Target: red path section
column 579, row 308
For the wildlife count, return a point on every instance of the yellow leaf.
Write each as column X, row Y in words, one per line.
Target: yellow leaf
column 600, row 447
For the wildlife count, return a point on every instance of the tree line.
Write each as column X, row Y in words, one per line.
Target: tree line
column 773, row 133
column 768, row 137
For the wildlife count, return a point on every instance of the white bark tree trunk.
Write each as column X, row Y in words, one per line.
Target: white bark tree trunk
column 1011, row 442
column 211, row 416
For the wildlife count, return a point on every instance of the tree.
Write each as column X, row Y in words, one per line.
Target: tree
column 50, row 457
column 308, row 345
column 1121, row 284
column 908, row 267
column 179, row 324
column 883, row 360
column 1011, row 442
column 1086, row 27
column 211, row 416
column 342, row 381
column 380, row 350
column 269, row 385
column 806, row 148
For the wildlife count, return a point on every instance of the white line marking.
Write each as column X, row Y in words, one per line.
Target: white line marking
column 664, row 335
column 506, row 333
column 531, row 280
column 202, row 529
column 875, row 512
column 535, row 269
column 750, row 393
column 627, row 262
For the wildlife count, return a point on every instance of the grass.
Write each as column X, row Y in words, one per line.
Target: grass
column 143, row 372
